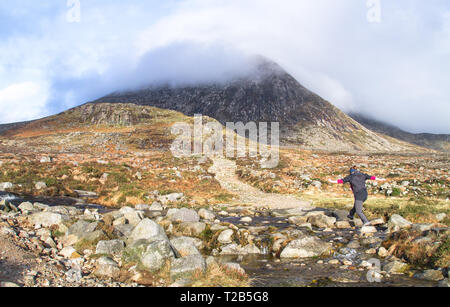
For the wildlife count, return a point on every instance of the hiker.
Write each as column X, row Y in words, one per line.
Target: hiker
column 357, row 182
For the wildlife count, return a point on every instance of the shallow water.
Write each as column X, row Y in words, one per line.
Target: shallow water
column 267, row 271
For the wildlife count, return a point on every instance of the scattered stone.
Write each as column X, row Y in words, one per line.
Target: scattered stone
column 441, row 217
column 322, row 221
column 112, row 247
column 186, row 246
column 343, row 225
column 46, row 219
column 432, row 275
column 305, row 247
column 382, row 252
column 183, row 215
column 40, row 185
column 246, row 219
column 156, row 255
column 226, row 236
column 192, row 228
column 368, row 229
column 5, row 186
column 395, row 267
column 106, row 268
column 397, row 222
column 206, row 214
column 147, row 230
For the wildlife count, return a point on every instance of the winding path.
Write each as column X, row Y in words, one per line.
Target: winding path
column 225, row 173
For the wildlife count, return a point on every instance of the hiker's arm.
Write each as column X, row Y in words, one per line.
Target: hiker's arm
column 340, row 181
column 373, row 178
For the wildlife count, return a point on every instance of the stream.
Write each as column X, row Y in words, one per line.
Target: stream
column 267, row 271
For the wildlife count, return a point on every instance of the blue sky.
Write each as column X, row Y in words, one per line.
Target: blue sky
column 395, row 70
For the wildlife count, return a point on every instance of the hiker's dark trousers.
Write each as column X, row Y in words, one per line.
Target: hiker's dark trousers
column 360, row 198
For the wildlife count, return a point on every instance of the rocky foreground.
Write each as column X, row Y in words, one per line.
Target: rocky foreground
column 162, row 245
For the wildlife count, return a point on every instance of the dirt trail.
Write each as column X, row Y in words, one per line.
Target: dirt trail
column 225, row 171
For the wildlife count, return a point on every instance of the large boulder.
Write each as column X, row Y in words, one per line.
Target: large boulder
column 156, row 255
column 183, row 215
column 187, row 266
column 186, row 246
column 46, row 219
column 147, row 230
column 306, row 247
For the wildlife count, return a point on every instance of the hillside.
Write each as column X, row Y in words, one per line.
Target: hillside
column 270, row 94
column 439, row 142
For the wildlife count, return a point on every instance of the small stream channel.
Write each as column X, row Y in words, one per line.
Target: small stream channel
column 268, row 271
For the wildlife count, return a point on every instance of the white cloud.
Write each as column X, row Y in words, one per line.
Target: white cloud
column 22, row 101
column 390, row 70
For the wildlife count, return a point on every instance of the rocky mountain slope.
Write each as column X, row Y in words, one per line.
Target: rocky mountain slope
column 269, row 94
column 440, row 142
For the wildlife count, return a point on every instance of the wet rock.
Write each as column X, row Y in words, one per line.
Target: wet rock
column 343, row 225
column 147, row 230
column 395, row 267
column 322, row 221
column 346, row 277
column 231, row 249
column 6, row 284
column 432, row 275
column 250, row 249
column 185, row 267
column 111, row 247
column 106, row 268
column 445, row 283
column 206, row 214
column 246, row 219
column 297, row 220
column 397, row 222
column 305, row 247
column 368, row 229
column 86, row 194
column 183, row 215
column 377, row 222
column 226, row 236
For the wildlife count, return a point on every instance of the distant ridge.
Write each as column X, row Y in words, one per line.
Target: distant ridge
column 439, row 142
